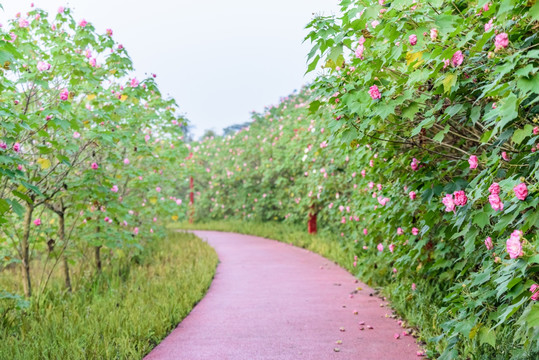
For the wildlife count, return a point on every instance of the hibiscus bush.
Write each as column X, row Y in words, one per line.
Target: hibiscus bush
column 417, row 147
column 86, row 150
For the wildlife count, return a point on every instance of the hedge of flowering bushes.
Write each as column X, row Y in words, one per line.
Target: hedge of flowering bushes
column 86, row 150
column 417, row 146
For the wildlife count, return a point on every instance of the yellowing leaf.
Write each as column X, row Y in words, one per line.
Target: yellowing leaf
column 113, row 71
column 123, row 98
column 153, row 200
column 175, row 217
column 449, row 81
column 411, row 57
column 91, row 97
column 44, row 163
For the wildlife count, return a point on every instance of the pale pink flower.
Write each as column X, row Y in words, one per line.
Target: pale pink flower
column 486, row 7
column 380, row 247
column 457, row 58
column 178, row 202
column 495, row 202
column 413, row 39
column 488, row 26
column 359, row 51
column 375, row 23
column 536, row 130
column 391, row 247
column 135, row 231
column 93, row 62
column 433, row 34
column 134, row 82
column 361, row 40
column 37, row 222
column 494, row 188
column 414, row 286
column 114, row 188
column 412, row 195
column 460, row 198
column 473, row 161
column 400, row 231
column 64, row 95
column 16, row 147
column 534, row 289
column 374, row 92
column 505, row 156
column 415, row 231
column 23, row 23
column 158, row 189
column 446, row 63
column 95, row 166
column 109, row 32
column 521, row 191
column 76, row 135
column 488, row 243
column 365, row 231
column 501, row 41
column 126, row 161
column 513, row 245
column 61, row 10
column 449, row 203
column 83, row 23
column 415, row 164
column 43, row 66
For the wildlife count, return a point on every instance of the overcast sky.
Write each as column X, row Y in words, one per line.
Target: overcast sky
column 219, row 59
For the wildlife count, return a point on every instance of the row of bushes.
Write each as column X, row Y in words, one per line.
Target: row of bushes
column 417, row 146
column 85, row 152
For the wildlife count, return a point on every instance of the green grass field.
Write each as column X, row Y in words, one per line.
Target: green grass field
column 118, row 315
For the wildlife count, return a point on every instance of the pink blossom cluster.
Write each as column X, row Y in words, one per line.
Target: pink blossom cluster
column 451, row 201
column 514, row 246
column 494, row 197
column 534, row 289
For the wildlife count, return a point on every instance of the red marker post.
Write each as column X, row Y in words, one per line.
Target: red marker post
column 311, row 225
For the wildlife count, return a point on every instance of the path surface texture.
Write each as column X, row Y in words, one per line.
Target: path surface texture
column 270, row 300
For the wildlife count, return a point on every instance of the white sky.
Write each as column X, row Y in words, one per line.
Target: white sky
column 218, row 59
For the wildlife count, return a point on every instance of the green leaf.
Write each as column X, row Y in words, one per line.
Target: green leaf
column 529, row 85
column 448, row 82
column 487, row 336
column 410, row 111
column 508, row 111
column 426, row 123
column 312, row 64
column 440, row 136
column 534, row 11
column 481, row 219
column 4, row 206
column 520, row 134
column 533, row 316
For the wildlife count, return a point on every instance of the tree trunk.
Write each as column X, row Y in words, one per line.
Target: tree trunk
column 98, row 266
column 97, row 253
column 26, row 281
column 61, row 236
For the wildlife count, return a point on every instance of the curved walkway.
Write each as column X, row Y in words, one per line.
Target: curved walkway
column 270, row 300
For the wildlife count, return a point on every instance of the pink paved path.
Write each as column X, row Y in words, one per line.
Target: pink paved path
column 270, row 300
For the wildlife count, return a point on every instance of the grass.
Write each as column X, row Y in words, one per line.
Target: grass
column 117, row 315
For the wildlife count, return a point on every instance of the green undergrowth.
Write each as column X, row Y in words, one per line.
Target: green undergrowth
column 421, row 309
column 117, row 315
